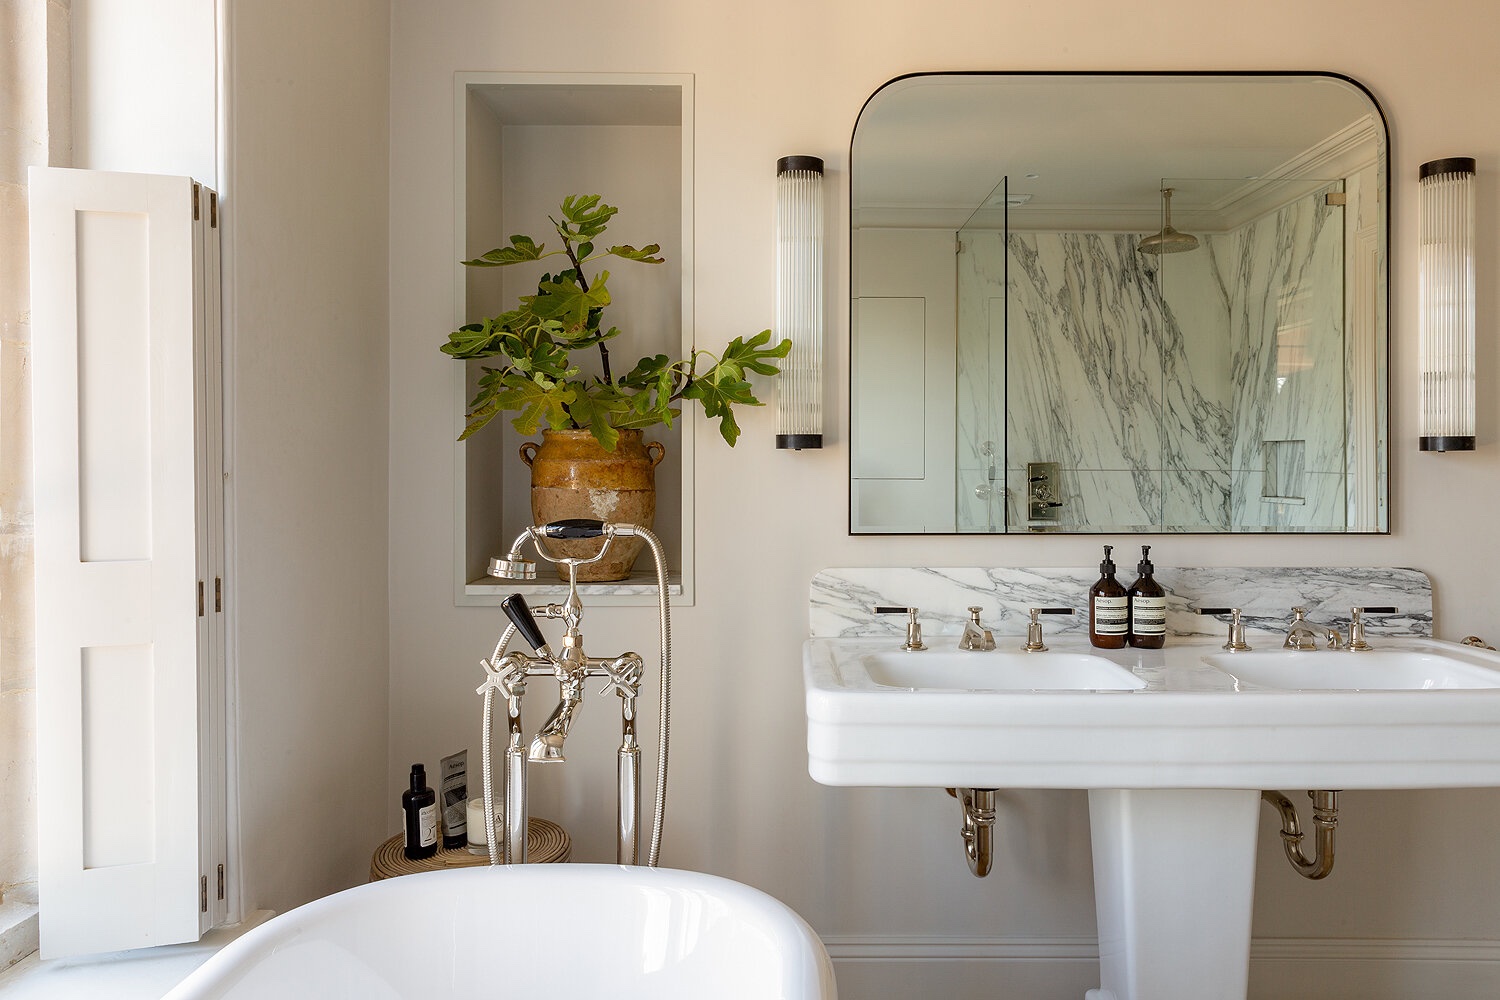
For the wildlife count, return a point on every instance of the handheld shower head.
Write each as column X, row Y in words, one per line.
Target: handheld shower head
column 512, row 567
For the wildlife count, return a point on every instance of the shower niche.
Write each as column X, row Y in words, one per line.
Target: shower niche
column 524, row 141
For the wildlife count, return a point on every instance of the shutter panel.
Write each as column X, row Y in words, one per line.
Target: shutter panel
column 115, row 388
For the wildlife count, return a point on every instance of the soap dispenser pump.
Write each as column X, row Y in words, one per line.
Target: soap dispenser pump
column 1148, row 606
column 1109, row 607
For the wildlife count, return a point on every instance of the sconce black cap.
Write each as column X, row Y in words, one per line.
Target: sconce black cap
column 789, row 163
column 1448, row 165
column 1448, row 442
column 796, row 442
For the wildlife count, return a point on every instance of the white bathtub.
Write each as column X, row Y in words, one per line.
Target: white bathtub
column 527, row 931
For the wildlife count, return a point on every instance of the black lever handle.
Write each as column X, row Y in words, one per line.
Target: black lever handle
column 1215, row 611
column 1054, row 611
column 519, row 613
column 1378, row 611
column 574, row 527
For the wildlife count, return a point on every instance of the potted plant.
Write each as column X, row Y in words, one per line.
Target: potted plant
column 592, row 462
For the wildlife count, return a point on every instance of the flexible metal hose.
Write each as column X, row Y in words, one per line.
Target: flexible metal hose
column 664, row 723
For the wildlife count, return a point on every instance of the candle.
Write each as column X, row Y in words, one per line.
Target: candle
column 477, row 843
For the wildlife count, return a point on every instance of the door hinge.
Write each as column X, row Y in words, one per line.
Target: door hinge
column 221, row 881
column 218, row 594
column 195, row 203
column 1336, row 198
column 200, row 598
column 213, row 210
column 203, row 894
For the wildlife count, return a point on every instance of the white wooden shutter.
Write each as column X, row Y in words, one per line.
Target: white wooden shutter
column 121, row 463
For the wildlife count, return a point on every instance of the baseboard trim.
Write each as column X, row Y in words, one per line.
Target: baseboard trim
column 1013, row 949
column 957, row 968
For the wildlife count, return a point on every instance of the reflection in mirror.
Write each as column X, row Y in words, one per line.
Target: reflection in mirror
column 1107, row 303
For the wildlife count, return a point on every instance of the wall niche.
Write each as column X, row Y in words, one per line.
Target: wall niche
column 524, row 142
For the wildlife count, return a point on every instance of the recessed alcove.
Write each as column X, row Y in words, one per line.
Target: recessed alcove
column 524, row 141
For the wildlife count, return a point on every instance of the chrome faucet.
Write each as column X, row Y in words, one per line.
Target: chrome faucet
column 1034, row 642
column 571, row 666
column 1357, row 641
column 976, row 636
column 1303, row 634
column 1235, row 643
column 913, row 627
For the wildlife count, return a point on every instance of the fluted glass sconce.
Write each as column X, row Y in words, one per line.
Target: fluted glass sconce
column 1446, row 300
column 799, row 300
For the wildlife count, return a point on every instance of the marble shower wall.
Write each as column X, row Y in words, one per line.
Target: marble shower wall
column 1282, row 278
column 1154, row 382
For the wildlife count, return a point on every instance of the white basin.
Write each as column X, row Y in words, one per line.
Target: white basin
column 1375, row 670
column 1173, row 765
column 1198, row 717
column 966, row 670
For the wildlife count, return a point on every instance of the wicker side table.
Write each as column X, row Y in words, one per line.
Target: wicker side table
column 546, row 843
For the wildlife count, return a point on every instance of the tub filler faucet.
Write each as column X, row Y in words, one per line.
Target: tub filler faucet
column 571, row 666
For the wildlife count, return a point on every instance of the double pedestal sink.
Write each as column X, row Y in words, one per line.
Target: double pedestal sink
column 1174, row 747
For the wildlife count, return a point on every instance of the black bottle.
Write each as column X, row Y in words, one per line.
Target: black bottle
column 1109, row 607
column 1148, row 606
column 419, row 803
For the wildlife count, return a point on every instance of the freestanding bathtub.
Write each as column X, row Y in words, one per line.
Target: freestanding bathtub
column 526, row 931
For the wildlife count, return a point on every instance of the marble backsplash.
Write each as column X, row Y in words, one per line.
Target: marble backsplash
column 841, row 601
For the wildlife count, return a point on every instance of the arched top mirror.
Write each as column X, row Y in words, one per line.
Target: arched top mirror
column 1138, row 302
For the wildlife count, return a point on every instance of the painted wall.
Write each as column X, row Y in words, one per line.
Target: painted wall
column 883, row 867
column 144, row 91
column 305, row 164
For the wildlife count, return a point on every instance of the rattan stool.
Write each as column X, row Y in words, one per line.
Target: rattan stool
column 546, row 843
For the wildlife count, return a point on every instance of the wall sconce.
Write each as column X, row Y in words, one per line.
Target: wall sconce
column 799, row 300
column 1446, row 300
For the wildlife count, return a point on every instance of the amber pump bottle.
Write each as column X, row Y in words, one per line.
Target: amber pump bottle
column 1109, row 607
column 1148, row 606
column 419, row 803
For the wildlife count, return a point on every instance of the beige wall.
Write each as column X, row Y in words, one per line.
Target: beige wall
column 305, row 286
column 789, row 76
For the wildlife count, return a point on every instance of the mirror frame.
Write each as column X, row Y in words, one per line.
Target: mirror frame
column 1385, row 202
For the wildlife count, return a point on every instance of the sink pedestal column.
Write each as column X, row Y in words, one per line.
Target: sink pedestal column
column 1174, row 880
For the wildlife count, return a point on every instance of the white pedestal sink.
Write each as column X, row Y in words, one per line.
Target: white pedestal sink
column 1173, row 746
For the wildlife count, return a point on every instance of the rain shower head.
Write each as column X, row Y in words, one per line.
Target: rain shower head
column 1168, row 240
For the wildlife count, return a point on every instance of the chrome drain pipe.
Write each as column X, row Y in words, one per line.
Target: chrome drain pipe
column 978, row 831
column 1325, row 819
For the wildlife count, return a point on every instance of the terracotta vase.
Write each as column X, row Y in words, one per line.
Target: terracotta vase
column 573, row 476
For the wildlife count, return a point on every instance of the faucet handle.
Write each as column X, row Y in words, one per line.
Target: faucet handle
column 1034, row 642
column 913, row 628
column 1357, row 641
column 519, row 613
column 1235, row 643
